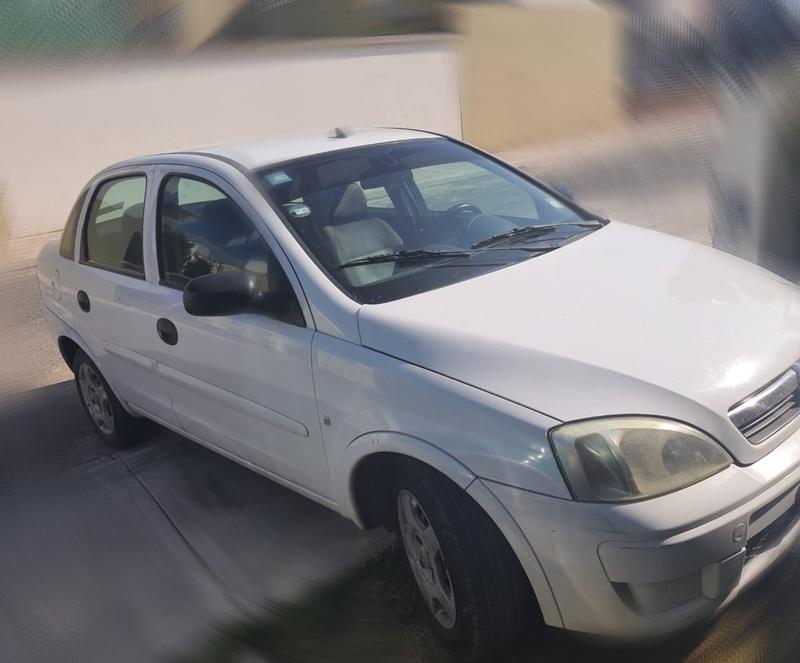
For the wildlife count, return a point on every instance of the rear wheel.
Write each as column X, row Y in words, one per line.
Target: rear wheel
column 476, row 596
column 117, row 428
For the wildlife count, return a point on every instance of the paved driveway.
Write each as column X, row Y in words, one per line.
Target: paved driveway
column 131, row 555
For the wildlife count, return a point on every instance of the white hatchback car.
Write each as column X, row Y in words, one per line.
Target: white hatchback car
column 417, row 335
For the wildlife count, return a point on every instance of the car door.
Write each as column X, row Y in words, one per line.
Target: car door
column 105, row 290
column 242, row 383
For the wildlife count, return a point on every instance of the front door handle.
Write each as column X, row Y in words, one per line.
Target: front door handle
column 167, row 331
column 83, row 301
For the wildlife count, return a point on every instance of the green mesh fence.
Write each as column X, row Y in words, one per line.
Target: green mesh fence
column 58, row 28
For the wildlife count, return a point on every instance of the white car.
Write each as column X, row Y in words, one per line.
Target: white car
column 546, row 405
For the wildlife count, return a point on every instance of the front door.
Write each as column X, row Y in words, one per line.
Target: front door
column 242, row 383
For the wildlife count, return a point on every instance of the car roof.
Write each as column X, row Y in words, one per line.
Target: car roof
column 259, row 154
column 275, row 150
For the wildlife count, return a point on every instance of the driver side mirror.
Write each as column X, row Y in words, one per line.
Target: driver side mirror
column 221, row 293
column 229, row 293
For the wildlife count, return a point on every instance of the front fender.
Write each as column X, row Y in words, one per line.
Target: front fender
column 407, row 445
column 362, row 393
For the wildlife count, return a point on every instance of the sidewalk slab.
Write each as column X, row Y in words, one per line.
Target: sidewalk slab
column 18, row 253
column 138, row 555
column 92, row 571
column 261, row 540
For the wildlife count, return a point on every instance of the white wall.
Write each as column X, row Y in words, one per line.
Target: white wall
column 58, row 128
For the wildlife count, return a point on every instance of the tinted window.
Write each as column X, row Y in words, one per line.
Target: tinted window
column 67, row 249
column 394, row 219
column 113, row 236
column 202, row 231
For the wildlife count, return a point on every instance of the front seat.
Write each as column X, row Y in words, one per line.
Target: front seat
column 352, row 234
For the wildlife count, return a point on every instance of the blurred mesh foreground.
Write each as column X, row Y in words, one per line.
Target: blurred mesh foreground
column 680, row 116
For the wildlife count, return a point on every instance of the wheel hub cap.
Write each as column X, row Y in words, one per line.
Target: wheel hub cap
column 426, row 559
column 96, row 399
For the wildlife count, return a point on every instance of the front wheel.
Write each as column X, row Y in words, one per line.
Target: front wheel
column 117, row 428
column 476, row 596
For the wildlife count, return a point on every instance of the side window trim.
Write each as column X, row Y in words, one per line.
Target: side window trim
column 162, row 175
column 81, row 236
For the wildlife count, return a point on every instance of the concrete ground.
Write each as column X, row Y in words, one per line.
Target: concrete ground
column 135, row 555
column 138, row 554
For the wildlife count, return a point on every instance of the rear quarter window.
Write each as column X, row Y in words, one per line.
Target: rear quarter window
column 67, row 248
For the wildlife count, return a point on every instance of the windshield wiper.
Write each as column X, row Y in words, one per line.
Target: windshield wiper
column 526, row 232
column 418, row 255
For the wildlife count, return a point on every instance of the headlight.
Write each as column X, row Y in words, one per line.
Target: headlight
column 631, row 458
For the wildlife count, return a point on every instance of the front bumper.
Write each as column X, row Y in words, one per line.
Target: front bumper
column 657, row 566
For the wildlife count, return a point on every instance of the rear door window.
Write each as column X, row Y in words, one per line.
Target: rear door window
column 113, row 236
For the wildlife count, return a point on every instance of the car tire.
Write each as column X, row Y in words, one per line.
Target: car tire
column 491, row 597
column 113, row 424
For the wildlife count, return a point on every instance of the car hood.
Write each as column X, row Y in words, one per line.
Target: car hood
column 623, row 321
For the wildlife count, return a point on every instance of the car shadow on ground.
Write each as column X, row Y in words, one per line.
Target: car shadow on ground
column 372, row 614
column 168, row 550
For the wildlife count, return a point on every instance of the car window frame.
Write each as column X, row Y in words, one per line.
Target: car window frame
column 82, row 237
column 163, row 173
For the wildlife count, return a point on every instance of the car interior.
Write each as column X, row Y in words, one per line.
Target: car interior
column 430, row 195
column 207, row 236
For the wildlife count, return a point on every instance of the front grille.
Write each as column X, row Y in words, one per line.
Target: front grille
column 765, row 412
column 772, row 534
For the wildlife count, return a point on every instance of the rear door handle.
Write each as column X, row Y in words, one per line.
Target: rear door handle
column 83, row 301
column 167, row 331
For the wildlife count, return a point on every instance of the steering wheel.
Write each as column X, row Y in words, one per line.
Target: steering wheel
column 454, row 219
column 460, row 208
column 482, row 226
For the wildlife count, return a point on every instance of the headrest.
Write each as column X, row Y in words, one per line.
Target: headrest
column 352, row 203
column 225, row 216
column 135, row 211
column 218, row 210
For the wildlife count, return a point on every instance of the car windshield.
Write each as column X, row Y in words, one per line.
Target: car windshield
column 394, row 219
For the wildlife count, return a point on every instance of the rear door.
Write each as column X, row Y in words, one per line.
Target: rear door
column 241, row 383
column 106, row 290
